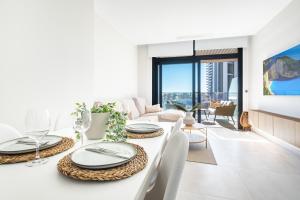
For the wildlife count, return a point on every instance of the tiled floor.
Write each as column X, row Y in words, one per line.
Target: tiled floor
column 249, row 168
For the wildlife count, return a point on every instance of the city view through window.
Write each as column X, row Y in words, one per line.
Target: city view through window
column 218, row 82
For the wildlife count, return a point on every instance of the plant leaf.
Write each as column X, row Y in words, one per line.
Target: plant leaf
column 180, row 107
column 196, row 107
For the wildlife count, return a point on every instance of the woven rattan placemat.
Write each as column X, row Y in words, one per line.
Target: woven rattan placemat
column 64, row 145
column 137, row 164
column 145, row 135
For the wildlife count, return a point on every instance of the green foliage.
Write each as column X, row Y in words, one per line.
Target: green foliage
column 180, row 106
column 116, row 127
column 79, row 109
column 77, row 135
column 282, row 68
column 116, row 122
column 184, row 108
column 103, row 108
column 196, row 107
column 267, row 91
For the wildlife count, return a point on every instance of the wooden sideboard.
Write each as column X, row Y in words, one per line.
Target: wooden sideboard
column 283, row 127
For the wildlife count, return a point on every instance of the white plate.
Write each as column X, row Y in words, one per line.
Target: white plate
column 92, row 160
column 142, row 128
column 13, row 147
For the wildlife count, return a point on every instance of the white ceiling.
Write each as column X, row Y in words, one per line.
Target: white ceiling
column 159, row 21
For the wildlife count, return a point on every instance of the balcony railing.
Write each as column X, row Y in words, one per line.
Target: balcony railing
column 206, row 97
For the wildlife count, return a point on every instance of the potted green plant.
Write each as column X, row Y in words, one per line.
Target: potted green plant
column 100, row 114
column 107, row 123
column 188, row 120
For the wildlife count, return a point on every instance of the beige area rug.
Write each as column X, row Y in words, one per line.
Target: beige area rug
column 198, row 153
column 219, row 123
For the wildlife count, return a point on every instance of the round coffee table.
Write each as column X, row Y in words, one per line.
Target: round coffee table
column 196, row 138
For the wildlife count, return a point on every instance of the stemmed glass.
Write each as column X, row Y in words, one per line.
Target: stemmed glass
column 82, row 122
column 37, row 126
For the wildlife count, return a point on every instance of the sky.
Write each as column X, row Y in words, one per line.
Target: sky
column 178, row 78
column 293, row 52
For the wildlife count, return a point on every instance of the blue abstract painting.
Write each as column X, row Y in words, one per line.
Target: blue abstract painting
column 281, row 73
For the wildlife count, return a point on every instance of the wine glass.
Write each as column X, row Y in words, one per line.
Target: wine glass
column 82, row 123
column 37, row 126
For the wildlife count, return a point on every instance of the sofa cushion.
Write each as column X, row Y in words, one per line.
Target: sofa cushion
column 140, row 104
column 227, row 103
column 150, row 114
column 170, row 115
column 221, row 103
column 130, row 108
column 230, row 103
column 214, row 104
column 153, row 108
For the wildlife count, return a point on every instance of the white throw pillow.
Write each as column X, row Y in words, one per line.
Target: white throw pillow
column 171, row 115
column 153, row 108
column 130, row 108
column 222, row 103
column 140, row 104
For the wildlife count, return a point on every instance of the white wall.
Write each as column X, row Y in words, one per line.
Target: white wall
column 54, row 53
column 222, row 43
column 171, row 49
column 280, row 34
column 46, row 56
column 144, row 73
column 146, row 52
column 115, row 74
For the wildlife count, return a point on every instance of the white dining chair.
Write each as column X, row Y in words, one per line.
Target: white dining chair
column 174, row 130
column 177, row 127
column 170, row 168
column 154, row 171
column 8, row 132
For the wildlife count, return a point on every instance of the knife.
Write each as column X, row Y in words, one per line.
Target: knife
column 31, row 143
column 102, row 151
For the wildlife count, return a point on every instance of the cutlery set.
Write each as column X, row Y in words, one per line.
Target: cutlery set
column 107, row 152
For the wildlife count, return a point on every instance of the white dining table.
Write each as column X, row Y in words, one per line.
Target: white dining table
column 19, row 182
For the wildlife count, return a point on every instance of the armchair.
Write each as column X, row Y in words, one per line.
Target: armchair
column 222, row 108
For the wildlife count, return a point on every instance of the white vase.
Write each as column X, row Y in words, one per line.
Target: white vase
column 98, row 126
column 189, row 120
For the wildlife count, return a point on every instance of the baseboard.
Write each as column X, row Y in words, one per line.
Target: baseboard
column 278, row 141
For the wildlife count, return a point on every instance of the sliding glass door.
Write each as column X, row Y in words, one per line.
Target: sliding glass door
column 198, row 79
column 219, row 82
column 175, row 80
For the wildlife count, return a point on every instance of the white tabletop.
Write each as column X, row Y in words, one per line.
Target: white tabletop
column 196, row 126
column 18, row 182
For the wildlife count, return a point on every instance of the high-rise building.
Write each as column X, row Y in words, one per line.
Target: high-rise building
column 219, row 76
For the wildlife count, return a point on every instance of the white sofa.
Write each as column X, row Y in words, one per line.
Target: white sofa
column 137, row 109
